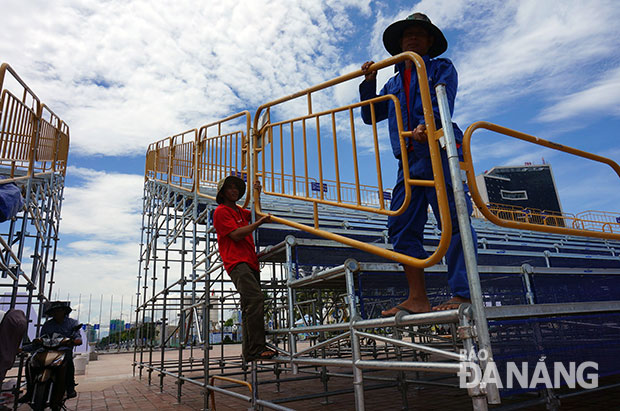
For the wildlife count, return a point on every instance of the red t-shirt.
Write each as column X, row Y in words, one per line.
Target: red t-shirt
column 226, row 220
column 407, row 85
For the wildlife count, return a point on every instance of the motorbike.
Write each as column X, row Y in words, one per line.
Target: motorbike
column 46, row 368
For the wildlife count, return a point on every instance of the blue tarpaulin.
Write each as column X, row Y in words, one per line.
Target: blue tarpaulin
column 11, row 201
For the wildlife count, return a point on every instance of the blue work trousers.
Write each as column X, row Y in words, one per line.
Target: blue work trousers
column 406, row 231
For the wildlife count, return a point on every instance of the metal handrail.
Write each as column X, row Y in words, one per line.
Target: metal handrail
column 556, row 220
column 600, row 216
column 158, row 161
column 264, row 137
column 467, row 165
column 173, row 161
column 182, row 160
column 587, row 220
column 33, row 140
column 222, row 154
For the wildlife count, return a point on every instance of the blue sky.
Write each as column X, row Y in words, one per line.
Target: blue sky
column 124, row 73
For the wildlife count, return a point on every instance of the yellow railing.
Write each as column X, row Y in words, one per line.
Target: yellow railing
column 223, row 149
column 582, row 223
column 182, row 160
column 199, row 158
column 598, row 220
column 552, row 224
column 158, row 161
column 277, row 164
column 227, row 379
column 499, row 206
column 602, row 216
column 195, row 160
column 368, row 195
column 173, row 160
column 529, row 215
column 284, row 145
column 33, row 139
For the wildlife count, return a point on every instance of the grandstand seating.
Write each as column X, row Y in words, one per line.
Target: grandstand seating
column 559, row 268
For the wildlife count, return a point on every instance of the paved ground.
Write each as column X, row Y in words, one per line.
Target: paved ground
column 109, row 384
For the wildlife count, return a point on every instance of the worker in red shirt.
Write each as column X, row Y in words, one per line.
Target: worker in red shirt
column 238, row 252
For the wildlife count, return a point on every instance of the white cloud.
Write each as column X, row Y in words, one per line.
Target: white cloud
column 123, row 74
column 106, row 268
column 100, row 233
column 603, row 97
column 126, row 73
column 105, row 206
column 516, row 48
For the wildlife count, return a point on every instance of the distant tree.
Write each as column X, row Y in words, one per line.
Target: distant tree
column 147, row 332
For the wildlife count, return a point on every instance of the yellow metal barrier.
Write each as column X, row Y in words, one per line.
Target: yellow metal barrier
column 587, row 220
column 594, row 225
column 227, row 379
column 33, row 140
column 369, row 195
column 195, row 159
column 53, row 144
column 529, row 215
column 222, row 152
column 599, row 220
column 62, row 148
column 182, row 160
column 275, row 150
column 158, row 161
column 579, row 228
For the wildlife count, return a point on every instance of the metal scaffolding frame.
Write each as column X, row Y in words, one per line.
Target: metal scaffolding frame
column 428, row 344
column 35, row 144
column 170, row 223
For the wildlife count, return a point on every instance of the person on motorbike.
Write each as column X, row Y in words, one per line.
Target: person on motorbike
column 60, row 323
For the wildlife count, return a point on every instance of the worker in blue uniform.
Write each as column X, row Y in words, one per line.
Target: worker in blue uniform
column 418, row 34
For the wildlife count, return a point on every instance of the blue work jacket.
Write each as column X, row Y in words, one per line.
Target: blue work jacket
column 439, row 71
column 66, row 329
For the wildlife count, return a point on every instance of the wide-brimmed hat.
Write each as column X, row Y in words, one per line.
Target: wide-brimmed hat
column 54, row 305
column 232, row 180
column 392, row 35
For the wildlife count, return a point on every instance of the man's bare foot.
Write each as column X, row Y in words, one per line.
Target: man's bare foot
column 408, row 307
column 452, row 304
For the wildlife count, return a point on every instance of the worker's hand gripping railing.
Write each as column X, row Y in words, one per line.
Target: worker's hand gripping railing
column 568, row 225
column 33, row 140
column 269, row 144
